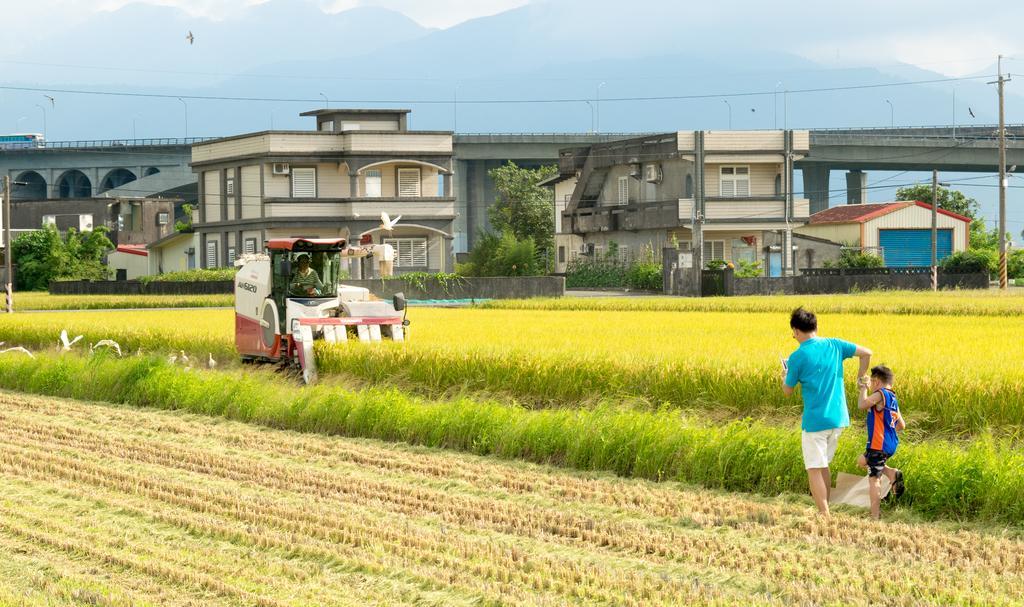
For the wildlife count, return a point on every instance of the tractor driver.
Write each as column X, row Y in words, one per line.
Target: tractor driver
column 305, row 281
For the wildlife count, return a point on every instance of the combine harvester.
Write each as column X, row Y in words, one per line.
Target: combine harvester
column 291, row 296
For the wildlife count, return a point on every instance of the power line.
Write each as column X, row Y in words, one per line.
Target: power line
column 485, row 101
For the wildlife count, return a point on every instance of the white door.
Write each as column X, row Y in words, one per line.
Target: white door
column 373, row 183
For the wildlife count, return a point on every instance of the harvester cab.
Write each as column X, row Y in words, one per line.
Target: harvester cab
column 293, row 295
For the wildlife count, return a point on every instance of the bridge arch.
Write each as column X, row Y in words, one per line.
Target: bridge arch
column 74, row 184
column 150, row 171
column 116, row 178
column 34, row 188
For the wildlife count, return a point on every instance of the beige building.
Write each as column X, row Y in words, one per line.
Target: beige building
column 900, row 232
column 173, row 253
column 732, row 188
column 329, row 182
column 128, row 261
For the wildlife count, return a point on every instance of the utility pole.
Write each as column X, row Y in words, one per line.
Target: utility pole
column 8, row 252
column 935, row 229
column 1003, row 282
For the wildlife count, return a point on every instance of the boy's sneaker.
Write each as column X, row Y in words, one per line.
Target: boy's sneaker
column 898, row 487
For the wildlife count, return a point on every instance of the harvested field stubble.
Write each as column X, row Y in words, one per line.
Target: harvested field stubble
column 111, row 506
column 981, row 479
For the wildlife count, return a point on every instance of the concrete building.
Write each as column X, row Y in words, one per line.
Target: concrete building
column 329, row 182
column 649, row 192
column 130, row 220
column 128, row 261
column 175, row 252
column 900, row 232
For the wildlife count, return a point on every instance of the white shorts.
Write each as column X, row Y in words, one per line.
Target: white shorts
column 819, row 447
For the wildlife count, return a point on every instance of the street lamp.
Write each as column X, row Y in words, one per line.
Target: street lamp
column 327, row 102
column 186, row 115
column 892, row 115
column 775, row 104
column 726, row 102
column 134, row 116
column 591, row 115
column 597, row 129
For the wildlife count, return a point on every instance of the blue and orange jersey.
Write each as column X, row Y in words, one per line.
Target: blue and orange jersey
column 882, row 424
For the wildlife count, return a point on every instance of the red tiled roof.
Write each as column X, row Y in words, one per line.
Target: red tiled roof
column 860, row 213
column 855, row 213
column 133, row 249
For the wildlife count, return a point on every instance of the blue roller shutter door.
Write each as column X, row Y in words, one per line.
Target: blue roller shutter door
column 913, row 248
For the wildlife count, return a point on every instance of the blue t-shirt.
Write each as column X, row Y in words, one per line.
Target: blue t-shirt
column 817, row 365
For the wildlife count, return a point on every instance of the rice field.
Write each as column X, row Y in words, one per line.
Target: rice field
column 37, row 300
column 111, row 506
column 979, row 479
column 956, row 375
column 945, row 303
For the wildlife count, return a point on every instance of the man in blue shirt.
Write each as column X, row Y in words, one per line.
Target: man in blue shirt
column 817, row 365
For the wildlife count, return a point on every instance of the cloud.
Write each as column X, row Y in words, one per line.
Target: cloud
column 436, row 13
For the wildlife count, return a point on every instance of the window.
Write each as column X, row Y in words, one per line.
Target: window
column 408, row 182
column 734, row 181
column 163, row 219
column 231, row 256
column 51, row 220
column 327, row 125
column 688, row 188
column 303, row 182
column 350, row 126
column 623, row 190
column 714, row 250
column 409, row 252
column 230, row 186
column 250, row 245
column 561, row 254
column 778, row 185
column 373, row 183
column 742, row 250
column 211, row 254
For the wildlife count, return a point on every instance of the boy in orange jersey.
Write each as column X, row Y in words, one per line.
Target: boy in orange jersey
column 884, row 421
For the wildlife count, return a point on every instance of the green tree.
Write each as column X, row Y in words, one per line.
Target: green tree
column 43, row 255
column 503, row 255
column 524, row 208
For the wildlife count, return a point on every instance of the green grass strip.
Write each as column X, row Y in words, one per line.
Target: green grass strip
column 982, row 479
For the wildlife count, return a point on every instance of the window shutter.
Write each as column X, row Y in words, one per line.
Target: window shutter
column 230, row 186
column 373, row 181
column 742, row 186
column 250, row 245
column 303, row 183
column 728, row 188
column 211, row 254
column 714, row 250
column 623, row 190
column 408, row 182
column 419, row 252
column 231, row 256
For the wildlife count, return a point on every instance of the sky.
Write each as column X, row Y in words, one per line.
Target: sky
column 937, row 35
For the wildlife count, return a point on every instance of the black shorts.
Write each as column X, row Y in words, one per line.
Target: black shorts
column 876, row 461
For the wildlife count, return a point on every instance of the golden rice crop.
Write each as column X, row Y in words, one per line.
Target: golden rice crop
column 109, row 506
column 33, row 300
column 953, row 373
column 944, row 303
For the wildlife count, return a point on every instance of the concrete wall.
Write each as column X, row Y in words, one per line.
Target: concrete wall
column 134, row 265
column 844, row 233
column 172, row 256
column 846, row 283
column 468, row 288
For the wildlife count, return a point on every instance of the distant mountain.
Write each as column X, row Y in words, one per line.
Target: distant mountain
column 710, row 69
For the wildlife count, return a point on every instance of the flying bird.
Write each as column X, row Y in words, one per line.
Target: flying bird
column 386, row 223
column 191, row 39
column 106, row 343
column 53, row 102
column 65, row 345
column 971, row 112
column 17, row 349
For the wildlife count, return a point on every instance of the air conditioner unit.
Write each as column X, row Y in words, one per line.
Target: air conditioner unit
column 652, row 173
column 281, row 168
column 634, row 171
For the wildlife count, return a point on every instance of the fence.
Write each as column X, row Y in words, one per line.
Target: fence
column 514, row 287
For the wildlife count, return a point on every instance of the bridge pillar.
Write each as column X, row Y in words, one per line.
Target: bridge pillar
column 816, row 186
column 856, row 187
